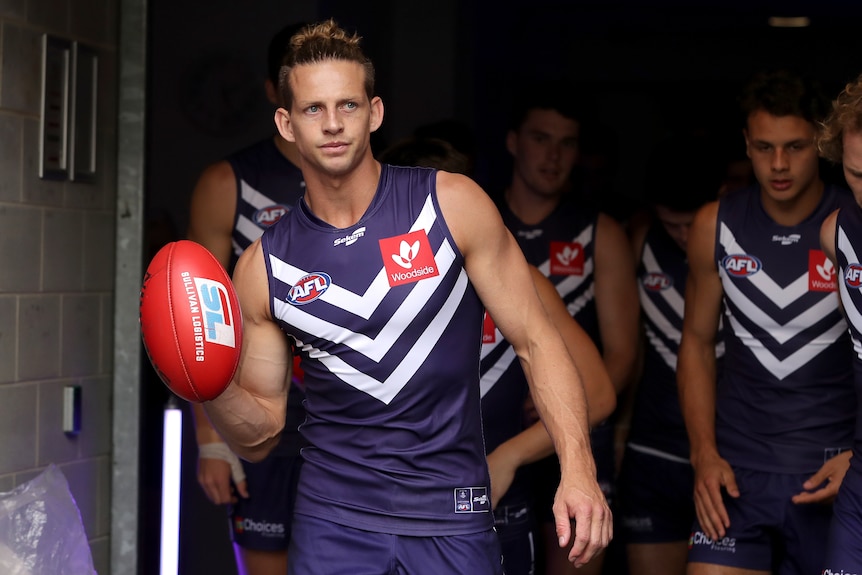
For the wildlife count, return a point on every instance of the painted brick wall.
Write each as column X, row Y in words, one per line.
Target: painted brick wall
column 56, row 268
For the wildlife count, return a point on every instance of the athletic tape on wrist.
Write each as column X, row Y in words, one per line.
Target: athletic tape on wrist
column 222, row 451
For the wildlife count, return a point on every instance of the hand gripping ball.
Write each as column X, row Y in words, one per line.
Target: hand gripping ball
column 190, row 321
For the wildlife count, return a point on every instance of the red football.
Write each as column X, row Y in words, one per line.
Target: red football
column 190, row 321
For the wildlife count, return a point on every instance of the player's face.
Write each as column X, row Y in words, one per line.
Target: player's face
column 852, row 161
column 331, row 118
column 545, row 150
column 676, row 224
column 783, row 155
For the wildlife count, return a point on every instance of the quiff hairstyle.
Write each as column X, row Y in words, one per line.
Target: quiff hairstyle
column 846, row 116
column 322, row 42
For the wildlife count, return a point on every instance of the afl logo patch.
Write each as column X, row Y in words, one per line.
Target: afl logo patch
column 853, row 276
column 267, row 216
column 309, row 288
column 656, row 281
column 741, row 265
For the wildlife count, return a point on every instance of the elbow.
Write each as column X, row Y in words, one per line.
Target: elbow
column 603, row 407
column 257, row 452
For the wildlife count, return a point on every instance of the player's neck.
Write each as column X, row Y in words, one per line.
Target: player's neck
column 794, row 211
column 341, row 201
column 287, row 149
column 530, row 207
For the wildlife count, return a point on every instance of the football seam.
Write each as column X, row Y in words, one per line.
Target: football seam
column 189, row 381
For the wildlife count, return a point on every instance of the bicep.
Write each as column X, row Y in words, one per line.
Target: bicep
column 827, row 236
column 266, row 353
column 703, row 293
column 492, row 258
column 616, row 295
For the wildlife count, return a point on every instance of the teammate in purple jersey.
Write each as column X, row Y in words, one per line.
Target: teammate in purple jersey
column 655, row 509
column 510, row 443
column 585, row 254
column 233, row 202
column 841, row 237
column 382, row 298
column 782, row 410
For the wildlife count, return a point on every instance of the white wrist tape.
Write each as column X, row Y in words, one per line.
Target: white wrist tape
column 222, row 451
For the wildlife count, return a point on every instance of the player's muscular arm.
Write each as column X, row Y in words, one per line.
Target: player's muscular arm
column 212, row 212
column 696, row 373
column 617, row 303
column 600, row 394
column 250, row 413
column 213, row 209
column 502, row 279
column 534, row 443
column 827, row 237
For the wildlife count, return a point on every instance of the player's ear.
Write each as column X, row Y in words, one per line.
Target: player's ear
column 282, row 122
column 376, row 113
column 747, row 142
column 512, row 142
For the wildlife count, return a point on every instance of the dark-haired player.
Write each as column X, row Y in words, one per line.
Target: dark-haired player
column 585, row 254
column 655, row 507
column 783, row 406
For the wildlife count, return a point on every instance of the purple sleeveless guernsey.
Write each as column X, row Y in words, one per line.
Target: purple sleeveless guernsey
column 785, row 400
column 388, row 327
column 268, row 186
column 657, row 426
column 562, row 247
column 848, row 243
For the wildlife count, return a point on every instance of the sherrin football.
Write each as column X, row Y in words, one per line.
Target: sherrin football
column 190, row 321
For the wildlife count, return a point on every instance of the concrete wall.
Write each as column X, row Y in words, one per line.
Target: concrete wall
column 57, row 262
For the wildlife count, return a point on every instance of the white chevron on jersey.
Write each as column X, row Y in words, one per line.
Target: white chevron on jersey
column 782, row 368
column 850, row 309
column 361, row 305
column 577, row 304
column 492, row 376
column 671, row 295
column 254, row 197
column 666, row 354
column 385, row 391
column 673, row 298
column 781, row 297
column 781, row 333
column 364, row 305
column 245, row 226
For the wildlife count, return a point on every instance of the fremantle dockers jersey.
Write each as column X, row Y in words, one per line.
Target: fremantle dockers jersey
column 388, row 327
column 268, row 185
column 785, row 401
column 504, row 389
column 848, row 243
column 657, row 425
column 562, row 246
